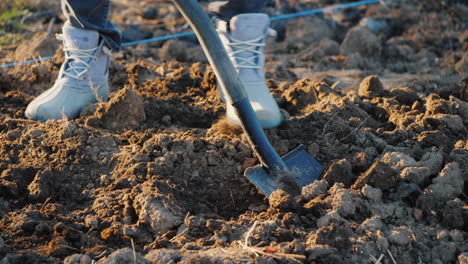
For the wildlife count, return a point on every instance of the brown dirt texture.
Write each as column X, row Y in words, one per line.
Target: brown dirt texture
column 378, row 94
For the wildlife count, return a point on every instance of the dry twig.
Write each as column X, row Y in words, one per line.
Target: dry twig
column 391, row 256
column 258, row 251
column 328, row 122
column 45, row 204
column 134, row 252
column 377, row 261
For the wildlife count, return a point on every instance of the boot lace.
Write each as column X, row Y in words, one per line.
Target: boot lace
column 78, row 61
column 253, row 46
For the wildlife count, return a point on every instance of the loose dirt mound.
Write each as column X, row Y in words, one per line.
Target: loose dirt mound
column 156, row 175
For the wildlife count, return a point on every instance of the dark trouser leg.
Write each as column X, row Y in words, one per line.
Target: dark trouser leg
column 93, row 15
column 227, row 9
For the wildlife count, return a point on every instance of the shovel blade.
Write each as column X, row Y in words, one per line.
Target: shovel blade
column 303, row 169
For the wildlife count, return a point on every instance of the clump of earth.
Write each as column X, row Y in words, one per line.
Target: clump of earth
column 377, row 94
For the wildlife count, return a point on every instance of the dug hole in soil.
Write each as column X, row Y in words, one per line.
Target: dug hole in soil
column 377, row 94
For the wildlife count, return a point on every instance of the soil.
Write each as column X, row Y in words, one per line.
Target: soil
column 155, row 175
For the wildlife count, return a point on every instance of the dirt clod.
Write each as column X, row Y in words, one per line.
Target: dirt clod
column 340, row 171
column 123, row 111
column 399, row 236
column 379, row 175
column 371, row 87
column 360, row 40
column 279, row 199
column 371, row 193
column 314, row 189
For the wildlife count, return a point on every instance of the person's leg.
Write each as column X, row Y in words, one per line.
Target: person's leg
column 87, row 37
column 243, row 31
column 228, row 9
column 93, row 15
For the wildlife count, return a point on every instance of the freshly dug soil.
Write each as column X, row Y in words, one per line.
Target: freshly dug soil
column 155, row 175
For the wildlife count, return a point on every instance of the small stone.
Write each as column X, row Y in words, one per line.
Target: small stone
column 371, row 87
column 399, row 236
column 371, row 193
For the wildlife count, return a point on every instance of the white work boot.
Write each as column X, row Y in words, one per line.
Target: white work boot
column 83, row 77
column 244, row 38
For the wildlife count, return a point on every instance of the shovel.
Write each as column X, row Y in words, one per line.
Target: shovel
column 290, row 173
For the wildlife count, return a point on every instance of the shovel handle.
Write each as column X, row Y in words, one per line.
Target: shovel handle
column 230, row 83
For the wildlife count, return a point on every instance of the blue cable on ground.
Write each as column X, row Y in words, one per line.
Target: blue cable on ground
column 184, row 34
column 8, row 65
column 324, row 9
column 178, row 35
